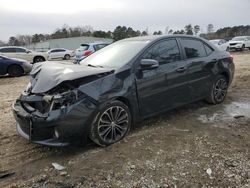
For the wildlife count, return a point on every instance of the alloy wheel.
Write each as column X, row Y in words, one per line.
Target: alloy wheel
column 113, row 124
column 220, row 90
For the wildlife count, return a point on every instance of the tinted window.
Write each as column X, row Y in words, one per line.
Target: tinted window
column 20, row 50
column 8, row 50
column 193, row 48
column 164, row 52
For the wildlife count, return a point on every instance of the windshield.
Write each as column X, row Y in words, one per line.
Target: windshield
column 115, row 55
column 238, row 39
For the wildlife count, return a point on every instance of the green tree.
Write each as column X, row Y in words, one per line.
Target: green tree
column 13, row 41
column 189, row 29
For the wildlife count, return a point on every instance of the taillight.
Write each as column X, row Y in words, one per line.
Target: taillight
column 87, row 53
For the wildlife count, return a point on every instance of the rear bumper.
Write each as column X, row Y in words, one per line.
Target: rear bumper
column 56, row 128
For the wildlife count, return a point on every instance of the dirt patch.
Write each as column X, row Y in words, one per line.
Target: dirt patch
column 197, row 145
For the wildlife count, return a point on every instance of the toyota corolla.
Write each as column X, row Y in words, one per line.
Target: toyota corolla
column 113, row 89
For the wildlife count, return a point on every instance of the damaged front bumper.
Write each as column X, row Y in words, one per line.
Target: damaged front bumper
column 55, row 126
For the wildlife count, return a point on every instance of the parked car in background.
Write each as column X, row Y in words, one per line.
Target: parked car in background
column 14, row 67
column 119, row 85
column 87, row 49
column 23, row 53
column 59, row 53
column 240, row 43
column 221, row 44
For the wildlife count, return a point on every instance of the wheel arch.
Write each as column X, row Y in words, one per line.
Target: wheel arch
column 227, row 75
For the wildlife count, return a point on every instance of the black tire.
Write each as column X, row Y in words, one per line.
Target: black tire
column 15, row 70
column 107, row 129
column 38, row 59
column 67, row 57
column 219, row 90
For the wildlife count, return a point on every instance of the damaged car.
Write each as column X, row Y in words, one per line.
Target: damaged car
column 118, row 86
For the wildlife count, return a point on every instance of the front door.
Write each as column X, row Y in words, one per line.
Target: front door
column 166, row 86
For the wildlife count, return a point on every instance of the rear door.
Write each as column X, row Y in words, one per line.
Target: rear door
column 199, row 61
column 166, row 86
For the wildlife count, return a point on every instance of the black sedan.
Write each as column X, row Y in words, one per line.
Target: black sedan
column 118, row 86
column 14, row 67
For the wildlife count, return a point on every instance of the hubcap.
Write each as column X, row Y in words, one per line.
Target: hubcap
column 113, row 124
column 220, row 90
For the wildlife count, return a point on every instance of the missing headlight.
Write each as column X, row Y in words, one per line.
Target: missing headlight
column 64, row 99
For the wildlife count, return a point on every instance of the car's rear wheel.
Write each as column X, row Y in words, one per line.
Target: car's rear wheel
column 67, row 57
column 219, row 90
column 38, row 59
column 111, row 124
column 15, row 70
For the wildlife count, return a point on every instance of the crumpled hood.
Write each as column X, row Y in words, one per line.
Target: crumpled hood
column 46, row 75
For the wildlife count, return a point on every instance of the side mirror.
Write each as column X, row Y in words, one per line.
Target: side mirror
column 28, row 51
column 148, row 64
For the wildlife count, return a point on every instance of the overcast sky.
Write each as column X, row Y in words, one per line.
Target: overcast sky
column 44, row 16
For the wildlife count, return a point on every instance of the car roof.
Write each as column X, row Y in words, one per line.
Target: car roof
column 152, row 38
column 12, row 47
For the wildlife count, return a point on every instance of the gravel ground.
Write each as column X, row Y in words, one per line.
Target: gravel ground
column 197, row 145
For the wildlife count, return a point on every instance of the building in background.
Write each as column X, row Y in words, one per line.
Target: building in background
column 67, row 43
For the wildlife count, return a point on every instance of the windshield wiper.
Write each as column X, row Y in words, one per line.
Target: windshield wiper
column 95, row 66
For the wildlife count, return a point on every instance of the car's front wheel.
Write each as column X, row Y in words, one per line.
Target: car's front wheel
column 111, row 124
column 219, row 90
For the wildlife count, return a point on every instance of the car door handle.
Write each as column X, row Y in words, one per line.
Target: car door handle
column 181, row 69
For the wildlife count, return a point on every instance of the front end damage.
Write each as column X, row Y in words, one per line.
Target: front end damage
column 58, row 115
column 52, row 119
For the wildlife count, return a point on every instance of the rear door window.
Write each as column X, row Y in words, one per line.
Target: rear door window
column 193, row 48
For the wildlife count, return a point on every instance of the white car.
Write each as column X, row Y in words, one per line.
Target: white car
column 221, row 44
column 59, row 53
column 86, row 50
column 23, row 53
column 240, row 43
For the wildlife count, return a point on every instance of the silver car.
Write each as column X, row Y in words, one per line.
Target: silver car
column 87, row 49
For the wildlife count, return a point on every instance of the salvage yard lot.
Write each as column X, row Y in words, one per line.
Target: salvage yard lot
column 179, row 147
